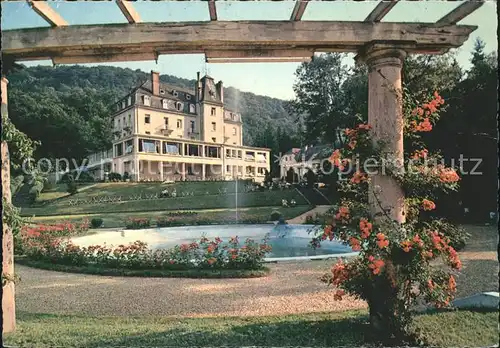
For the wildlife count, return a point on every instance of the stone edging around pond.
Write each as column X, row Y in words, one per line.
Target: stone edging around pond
column 152, row 273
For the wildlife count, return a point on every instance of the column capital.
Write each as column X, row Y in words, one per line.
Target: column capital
column 382, row 54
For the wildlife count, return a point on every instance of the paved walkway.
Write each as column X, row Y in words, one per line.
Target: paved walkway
column 319, row 209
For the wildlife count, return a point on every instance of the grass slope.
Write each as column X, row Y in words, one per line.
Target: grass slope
column 456, row 328
column 112, row 220
column 200, row 199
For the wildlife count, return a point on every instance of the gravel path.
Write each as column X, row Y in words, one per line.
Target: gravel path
column 291, row 288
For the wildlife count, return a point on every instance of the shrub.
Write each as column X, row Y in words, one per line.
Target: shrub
column 96, row 222
column 309, row 220
column 71, row 188
column 126, row 176
column 136, row 223
column 114, row 176
column 168, row 222
column 275, row 215
column 43, row 244
column 398, row 263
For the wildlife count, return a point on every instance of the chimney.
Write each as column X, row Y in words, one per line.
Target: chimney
column 198, row 87
column 155, row 82
column 220, row 90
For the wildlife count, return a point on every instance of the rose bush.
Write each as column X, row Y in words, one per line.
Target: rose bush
column 50, row 244
column 398, row 263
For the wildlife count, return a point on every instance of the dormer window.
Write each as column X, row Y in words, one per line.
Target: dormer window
column 162, row 91
column 164, row 103
column 192, row 108
column 188, row 96
column 147, row 100
column 123, row 104
column 178, row 106
column 174, row 93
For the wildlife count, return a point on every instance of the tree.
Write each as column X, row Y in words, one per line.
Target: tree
column 319, row 97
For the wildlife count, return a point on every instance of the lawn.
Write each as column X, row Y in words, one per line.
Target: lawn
column 112, row 220
column 199, row 200
column 449, row 328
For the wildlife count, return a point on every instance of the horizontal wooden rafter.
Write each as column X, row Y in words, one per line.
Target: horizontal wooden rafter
column 212, row 10
column 460, row 12
column 380, row 11
column 259, row 54
column 128, row 11
column 43, row 9
column 298, row 10
column 199, row 37
column 259, row 60
column 82, row 59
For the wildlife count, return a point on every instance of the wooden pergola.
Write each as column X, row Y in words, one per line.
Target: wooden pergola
column 380, row 45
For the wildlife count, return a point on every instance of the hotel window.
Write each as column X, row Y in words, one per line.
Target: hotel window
column 129, row 146
column 147, row 100
column 192, row 127
column 124, row 121
column 118, row 124
column 178, row 106
column 212, row 112
column 188, row 97
column 192, row 108
column 162, row 91
column 228, row 168
column 164, row 103
column 123, row 104
column 214, row 126
column 129, row 119
column 234, row 130
column 165, row 119
column 129, row 101
column 239, row 153
column 175, row 94
column 147, row 119
column 228, row 153
column 179, row 124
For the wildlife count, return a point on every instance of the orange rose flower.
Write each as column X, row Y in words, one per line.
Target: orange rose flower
column 428, row 205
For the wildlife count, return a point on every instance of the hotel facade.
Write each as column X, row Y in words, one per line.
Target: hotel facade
column 162, row 132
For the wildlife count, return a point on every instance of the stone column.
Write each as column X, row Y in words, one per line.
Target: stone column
column 136, row 168
column 160, row 164
column 385, row 115
column 8, row 293
column 203, row 171
column 183, row 171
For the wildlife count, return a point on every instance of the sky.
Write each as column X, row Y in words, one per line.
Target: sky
column 271, row 79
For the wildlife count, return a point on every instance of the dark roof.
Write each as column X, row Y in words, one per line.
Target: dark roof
column 169, row 89
column 317, row 151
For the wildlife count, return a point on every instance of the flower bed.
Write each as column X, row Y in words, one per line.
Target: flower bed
column 43, row 244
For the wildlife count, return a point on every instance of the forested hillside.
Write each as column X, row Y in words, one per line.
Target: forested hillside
column 67, row 108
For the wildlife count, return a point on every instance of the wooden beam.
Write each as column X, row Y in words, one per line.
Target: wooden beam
column 104, row 58
column 297, row 53
column 199, row 37
column 128, row 11
column 212, row 10
column 259, row 60
column 380, row 11
column 298, row 10
column 43, row 9
column 460, row 12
